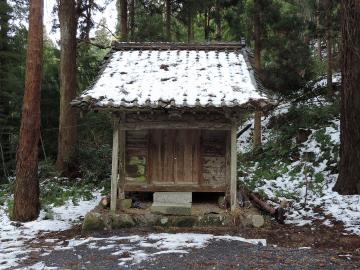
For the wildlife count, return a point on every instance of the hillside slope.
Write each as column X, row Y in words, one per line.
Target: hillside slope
column 299, row 162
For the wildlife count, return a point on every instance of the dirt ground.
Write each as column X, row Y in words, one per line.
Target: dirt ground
column 288, row 247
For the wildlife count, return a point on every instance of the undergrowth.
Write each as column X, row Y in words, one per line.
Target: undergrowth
column 55, row 190
column 282, row 157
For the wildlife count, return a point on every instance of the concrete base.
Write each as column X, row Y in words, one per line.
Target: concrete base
column 177, row 209
column 172, row 197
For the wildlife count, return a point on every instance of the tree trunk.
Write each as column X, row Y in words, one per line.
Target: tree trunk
column 257, row 130
column 217, row 21
column 318, row 29
column 349, row 171
column 68, row 115
column 132, row 19
column 190, row 35
column 206, row 24
column 168, row 20
column 329, row 63
column 257, row 35
column 122, row 8
column 329, row 48
column 26, row 196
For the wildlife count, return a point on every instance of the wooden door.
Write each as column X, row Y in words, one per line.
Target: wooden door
column 187, row 157
column 174, row 157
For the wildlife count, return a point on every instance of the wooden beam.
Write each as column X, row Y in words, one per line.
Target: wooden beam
column 114, row 167
column 176, row 125
column 122, row 138
column 233, row 168
column 173, row 187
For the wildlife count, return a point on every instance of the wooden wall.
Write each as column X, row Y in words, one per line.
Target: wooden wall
column 190, row 158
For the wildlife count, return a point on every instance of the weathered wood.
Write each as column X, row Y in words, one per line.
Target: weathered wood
column 173, row 187
column 174, row 156
column 213, row 160
column 121, row 193
column 219, row 46
column 233, row 168
column 136, row 155
column 176, row 125
column 167, row 155
column 115, row 166
column 105, row 202
column 228, row 164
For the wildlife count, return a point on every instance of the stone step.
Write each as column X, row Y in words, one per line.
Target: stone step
column 178, row 209
column 172, row 197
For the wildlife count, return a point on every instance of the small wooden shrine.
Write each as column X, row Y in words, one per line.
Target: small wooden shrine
column 176, row 110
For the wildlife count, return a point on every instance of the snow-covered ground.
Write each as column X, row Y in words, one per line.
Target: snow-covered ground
column 332, row 205
column 145, row 248
column 13, row 247
column 13, row 236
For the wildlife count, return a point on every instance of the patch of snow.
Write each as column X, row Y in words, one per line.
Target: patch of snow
column 336, row 79
column 135, row 249
column 13, row 237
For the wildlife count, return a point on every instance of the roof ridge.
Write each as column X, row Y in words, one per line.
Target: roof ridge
column 206, row 46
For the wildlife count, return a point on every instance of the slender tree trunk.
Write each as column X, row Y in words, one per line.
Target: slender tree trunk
column 349, row 175
column 122, row 8
column 318, row 29
column 190, row 35
column 329, row 48
column 206, row 24
column 329, row 69
column 257, row 130
column 218, row 35
column 26, row 196
column 68, row 114
column 168, row 20
column 257, row 34
column 132, row 19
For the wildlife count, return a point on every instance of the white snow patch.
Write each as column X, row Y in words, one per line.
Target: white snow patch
column 135, row 249
column 13, row 237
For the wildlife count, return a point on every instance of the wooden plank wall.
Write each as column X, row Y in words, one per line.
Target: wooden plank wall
column 136, row 156
column 176, row 157
column 214, row 161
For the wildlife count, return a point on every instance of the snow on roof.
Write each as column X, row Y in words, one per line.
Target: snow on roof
column 180, row 77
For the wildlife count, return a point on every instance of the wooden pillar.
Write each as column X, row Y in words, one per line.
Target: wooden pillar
column 114, row 167
column 257, row 130
column 121, row 193
column 233, row 167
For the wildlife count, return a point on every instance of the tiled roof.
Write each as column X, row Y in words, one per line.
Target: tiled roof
column 172, row 74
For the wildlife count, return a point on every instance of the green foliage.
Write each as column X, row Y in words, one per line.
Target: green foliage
column 57, row 191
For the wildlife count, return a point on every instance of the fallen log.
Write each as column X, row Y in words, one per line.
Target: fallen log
column 278, row 213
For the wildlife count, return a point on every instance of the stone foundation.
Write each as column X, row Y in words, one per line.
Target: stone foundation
column 202, row 215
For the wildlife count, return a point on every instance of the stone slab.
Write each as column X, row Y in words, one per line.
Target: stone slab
column 172, row 197
column 178, row 209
